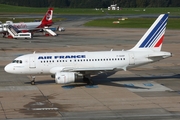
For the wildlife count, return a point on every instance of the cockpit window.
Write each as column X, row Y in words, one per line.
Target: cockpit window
column 17, row 61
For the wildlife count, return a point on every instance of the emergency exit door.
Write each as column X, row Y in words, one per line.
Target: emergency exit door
column 131, row 59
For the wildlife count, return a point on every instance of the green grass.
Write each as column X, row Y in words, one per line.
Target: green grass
column 8, row 9
column 173, row 11
column 3, row 20
column 173, row 23
column 129, row 23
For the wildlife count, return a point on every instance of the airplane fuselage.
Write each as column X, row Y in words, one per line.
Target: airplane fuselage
column 26, row 25
column 50, row 63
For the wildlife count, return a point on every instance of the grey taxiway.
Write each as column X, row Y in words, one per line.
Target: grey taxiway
column 147, row 92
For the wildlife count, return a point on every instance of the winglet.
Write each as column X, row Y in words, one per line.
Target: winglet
column 153, row 38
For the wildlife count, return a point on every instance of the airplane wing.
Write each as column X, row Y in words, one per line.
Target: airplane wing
column 87, row 69
column 84, row 70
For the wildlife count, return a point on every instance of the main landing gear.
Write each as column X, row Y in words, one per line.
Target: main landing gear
column 33, row 80
column 88, row 80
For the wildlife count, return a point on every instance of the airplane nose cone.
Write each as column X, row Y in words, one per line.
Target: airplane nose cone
column 8, row 68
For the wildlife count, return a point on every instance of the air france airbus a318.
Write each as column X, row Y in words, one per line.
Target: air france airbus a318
column 66, row 67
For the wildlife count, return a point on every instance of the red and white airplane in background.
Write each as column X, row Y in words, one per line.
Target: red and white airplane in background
column 28, row 27
column 31, row 26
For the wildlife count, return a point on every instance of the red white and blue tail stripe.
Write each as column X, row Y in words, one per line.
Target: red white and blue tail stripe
column 153, row 38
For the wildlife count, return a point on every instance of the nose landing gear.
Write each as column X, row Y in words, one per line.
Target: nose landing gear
column 33, row 80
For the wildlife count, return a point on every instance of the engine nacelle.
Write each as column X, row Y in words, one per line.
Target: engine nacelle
column 65, row 77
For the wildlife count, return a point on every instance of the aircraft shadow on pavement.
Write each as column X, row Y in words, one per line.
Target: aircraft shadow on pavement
column 102, row 79
column 144, row 78
column 99, row 80
column 42, row 82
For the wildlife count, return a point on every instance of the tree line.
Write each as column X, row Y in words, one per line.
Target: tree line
column 92, row 3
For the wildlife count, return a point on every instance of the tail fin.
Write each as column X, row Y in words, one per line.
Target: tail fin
column 153, row 38
column 47, row 19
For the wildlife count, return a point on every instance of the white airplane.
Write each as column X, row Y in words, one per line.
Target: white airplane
column 25, row 27
column 67, row 67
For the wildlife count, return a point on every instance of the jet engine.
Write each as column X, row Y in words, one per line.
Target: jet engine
column 65, row 77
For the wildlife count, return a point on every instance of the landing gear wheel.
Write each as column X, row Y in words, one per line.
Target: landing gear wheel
column 88, row 80
column 33, row 80
column 4, row 35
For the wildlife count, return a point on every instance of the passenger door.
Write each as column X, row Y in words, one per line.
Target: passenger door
column 32, row 62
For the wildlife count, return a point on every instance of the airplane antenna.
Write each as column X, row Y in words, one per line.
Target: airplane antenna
column 34, row 52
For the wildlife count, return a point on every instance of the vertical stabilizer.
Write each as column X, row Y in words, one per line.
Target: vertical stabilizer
column 47, row 19
column 153, row 38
